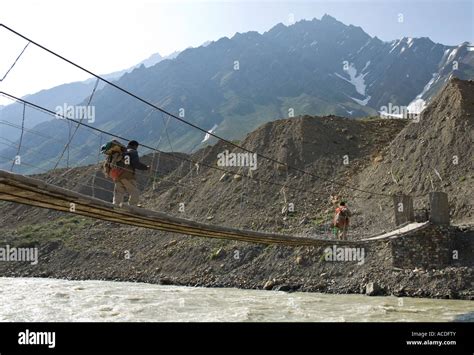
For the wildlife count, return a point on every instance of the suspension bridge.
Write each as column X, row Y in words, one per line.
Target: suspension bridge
column 44, row 194
column 29, row 191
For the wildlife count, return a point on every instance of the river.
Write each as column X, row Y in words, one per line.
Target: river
column 36, row 299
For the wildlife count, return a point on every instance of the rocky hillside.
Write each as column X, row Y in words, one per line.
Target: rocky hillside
column 434, row 154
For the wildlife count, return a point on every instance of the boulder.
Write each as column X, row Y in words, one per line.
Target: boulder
column 372, row 289
column 269, row 285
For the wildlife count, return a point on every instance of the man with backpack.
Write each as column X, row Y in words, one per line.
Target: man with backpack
column 341, row 221
column 120, row 165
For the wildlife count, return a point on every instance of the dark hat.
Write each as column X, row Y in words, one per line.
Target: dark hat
column 133, row 144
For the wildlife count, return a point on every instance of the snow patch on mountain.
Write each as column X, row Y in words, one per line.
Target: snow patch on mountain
column 452, row 54
column 434, row 78
column 356, row 80
column 366, row 65
column 208, row 134
column 361, row 102
column 443, row 59
column 394, row 45
column 416, row 106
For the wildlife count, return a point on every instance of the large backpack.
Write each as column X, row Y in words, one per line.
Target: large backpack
column 113, row 146
column 342, row 216
column 113, row 165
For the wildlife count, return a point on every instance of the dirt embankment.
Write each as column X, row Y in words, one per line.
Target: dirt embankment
column 434, row 154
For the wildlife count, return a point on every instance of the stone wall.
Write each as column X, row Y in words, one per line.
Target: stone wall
column 432, row 247
column 463, row 244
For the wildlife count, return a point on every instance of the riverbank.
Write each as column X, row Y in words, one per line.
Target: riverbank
column 76, row 248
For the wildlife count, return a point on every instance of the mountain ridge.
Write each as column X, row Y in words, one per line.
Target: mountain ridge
column 317, row 67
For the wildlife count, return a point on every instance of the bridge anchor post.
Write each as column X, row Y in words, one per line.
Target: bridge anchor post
column 403, row 205
column 439, row 208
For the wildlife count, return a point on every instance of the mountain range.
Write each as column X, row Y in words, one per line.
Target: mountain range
column 233, row 85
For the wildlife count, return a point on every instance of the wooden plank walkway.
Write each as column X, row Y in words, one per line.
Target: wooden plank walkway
column 29, row 191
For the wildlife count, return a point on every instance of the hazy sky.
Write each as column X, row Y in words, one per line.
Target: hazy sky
column 110, row 35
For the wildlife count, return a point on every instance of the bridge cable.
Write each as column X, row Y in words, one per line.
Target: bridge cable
column 16, row 60
column 21, row 139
